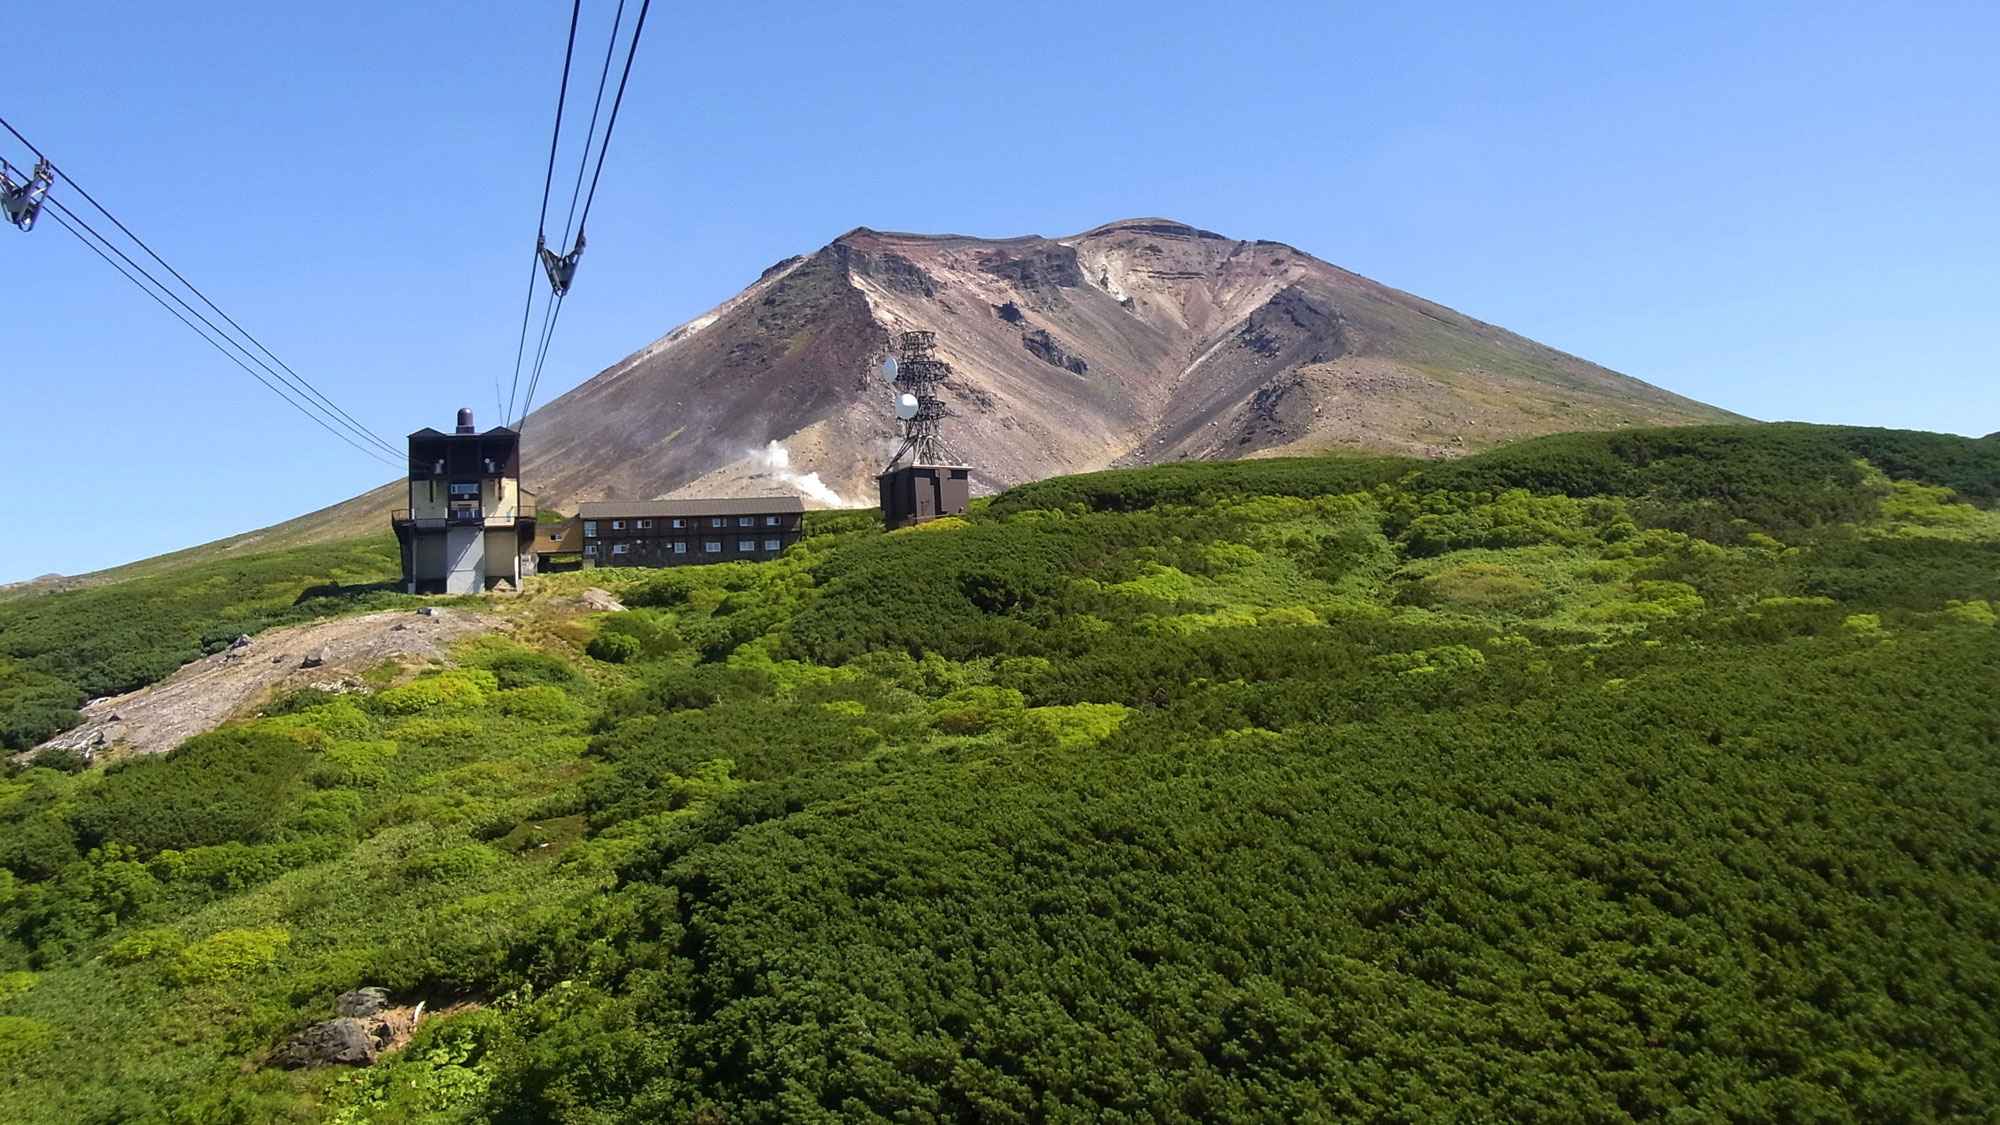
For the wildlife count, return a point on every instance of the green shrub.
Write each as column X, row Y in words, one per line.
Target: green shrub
column 1072, row 726
column 15, row 983
column 461, row 689
column 21, row 1036
column 229, row 955
column 976, row 709
column 363, row 763
column 35, row 847
column 1976, row 611
column 234, row 866
column 1651, row 601
column 339, row 718
column 145, row 946
column 1480, row 587
column 228, row 785
column 615, row 648
column 33, row 721
column 452, row 865
column 1200, row 483
column 435, row 732
column 1515, row 518
column 541, row 704
column 514, row 666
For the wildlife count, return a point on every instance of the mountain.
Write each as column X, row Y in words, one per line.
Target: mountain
column 1135, row 343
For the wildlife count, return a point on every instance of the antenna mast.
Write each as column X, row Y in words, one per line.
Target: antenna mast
column 919, row 374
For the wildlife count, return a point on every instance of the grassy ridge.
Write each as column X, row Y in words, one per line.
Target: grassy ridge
column 1602, row 777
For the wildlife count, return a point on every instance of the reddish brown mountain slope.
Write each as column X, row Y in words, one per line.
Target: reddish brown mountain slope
column 1138, row 342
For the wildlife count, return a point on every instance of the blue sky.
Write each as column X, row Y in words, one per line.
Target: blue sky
column 1789, row 210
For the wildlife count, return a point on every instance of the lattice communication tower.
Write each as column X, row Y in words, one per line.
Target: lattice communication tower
column 919, row 375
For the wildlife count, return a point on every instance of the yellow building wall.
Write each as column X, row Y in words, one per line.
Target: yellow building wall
column 429, row 499
column 499, row 498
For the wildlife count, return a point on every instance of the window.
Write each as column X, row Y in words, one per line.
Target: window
column 680, row 523
column 713, row 546
column 746, row 544
column 718, row 522
column 590, row 529
column 618, row 548
column 465, row 489
column 746, row 521
column 770, row 521
column 617, row 525
column 590, row 548
column 771, row 545
column 645, row 524
column 680, row 548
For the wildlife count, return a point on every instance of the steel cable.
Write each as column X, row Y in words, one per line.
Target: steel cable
column 300, row 383
column 603, row 147
column 212, row 342
column 542, row 216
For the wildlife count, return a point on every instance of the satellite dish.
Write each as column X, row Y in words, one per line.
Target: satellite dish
column 906, row 407
column 889, row 368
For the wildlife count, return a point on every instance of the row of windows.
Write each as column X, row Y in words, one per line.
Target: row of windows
column 712, row 546
column 590, row 526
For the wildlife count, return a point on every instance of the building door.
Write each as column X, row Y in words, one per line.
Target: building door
column 465, row 560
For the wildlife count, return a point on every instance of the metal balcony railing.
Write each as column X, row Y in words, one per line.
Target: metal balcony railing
column 458, row 517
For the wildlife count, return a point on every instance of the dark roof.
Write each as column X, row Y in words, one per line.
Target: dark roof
column 670, row 509
column 497, row 431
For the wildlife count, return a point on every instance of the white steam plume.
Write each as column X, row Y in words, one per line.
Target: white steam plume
column 778, row 459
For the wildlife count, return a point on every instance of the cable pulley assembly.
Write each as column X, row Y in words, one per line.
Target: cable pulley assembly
column 21, row 201
column 561, row 268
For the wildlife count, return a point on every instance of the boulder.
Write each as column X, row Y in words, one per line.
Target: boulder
column 347, row 1041
column 317, row 657
column 362, row 1002
column 600, row 600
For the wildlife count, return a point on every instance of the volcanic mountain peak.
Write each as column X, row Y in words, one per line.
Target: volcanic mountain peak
column 1138, row 341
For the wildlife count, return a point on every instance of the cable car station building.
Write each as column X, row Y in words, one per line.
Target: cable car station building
column 469, row 525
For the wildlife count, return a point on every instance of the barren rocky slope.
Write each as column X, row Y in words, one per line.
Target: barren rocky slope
column 329, row 655
column 1134, row 343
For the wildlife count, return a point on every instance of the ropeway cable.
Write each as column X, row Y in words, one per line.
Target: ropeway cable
column 158, row 287
column 554, row 312
column 299, row 383
column 541, row 218
column 212, row 342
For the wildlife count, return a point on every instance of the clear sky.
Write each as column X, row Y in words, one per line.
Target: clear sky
column 1791, row 210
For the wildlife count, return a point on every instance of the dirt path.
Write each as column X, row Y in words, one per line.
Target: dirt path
column 329, row 655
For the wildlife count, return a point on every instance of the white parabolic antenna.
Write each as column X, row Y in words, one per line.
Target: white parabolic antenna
column 889, row 368
column 906, row 407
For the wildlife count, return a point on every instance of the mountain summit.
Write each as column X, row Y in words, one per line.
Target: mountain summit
column 1135, row 343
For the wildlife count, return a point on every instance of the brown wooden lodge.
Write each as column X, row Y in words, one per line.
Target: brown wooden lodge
column 673, row 532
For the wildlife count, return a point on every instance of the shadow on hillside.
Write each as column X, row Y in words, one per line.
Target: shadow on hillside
column 347, row 591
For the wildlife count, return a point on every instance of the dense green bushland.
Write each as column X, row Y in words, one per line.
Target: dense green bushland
column 1646, row 775
column 57, row 650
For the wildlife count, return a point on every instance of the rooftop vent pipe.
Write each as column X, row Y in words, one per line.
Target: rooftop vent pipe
column 465, row 421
